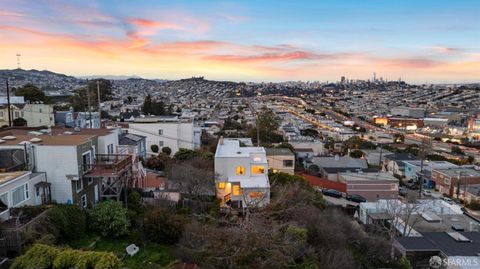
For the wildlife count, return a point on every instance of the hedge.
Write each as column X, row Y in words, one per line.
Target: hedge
column 48, row 257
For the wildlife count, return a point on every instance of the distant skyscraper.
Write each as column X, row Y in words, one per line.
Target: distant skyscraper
column 342, row 79
column 374, row 77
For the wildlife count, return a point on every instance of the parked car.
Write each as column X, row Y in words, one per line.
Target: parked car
column 332, row 193
column 448, row 200
column 356, row 198
column 427, row 193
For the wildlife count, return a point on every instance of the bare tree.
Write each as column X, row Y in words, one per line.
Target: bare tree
column 192, row 178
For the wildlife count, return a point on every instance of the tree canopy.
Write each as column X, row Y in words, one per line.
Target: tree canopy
column 32, row 93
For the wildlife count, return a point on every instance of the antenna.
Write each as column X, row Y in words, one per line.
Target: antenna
column 18, row 60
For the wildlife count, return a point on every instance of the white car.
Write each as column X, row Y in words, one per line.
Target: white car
column 427, row 193
column 448, row 200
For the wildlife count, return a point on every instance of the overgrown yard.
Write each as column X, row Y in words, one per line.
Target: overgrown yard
column 151, row 255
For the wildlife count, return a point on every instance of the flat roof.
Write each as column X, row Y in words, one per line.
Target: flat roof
column 231, row 148
column 49, row 140
column 369, row 176
column 279, row 151
column 9, row 176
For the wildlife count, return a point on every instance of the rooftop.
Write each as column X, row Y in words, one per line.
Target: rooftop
column 443, row 242
column 368, row 176
column 279, row 151
column 6, row 177
column 230, row 147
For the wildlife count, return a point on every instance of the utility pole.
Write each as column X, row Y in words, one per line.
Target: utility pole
column 88, row 103
column 8, row 104
column 99, row 110
column 422, row 152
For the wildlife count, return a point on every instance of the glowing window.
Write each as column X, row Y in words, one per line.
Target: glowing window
column 240, row 170
column 221, row 185
column 256, row 170
column 257, row 159
column 237, row 190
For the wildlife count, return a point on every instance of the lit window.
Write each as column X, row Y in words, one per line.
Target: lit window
column 237, row 190
column 240, row 170
column 221, row 185
column 256, row 170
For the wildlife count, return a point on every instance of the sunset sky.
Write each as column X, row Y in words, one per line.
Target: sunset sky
column 420, row 41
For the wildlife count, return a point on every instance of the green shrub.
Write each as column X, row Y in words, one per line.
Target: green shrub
column 38, row 256
column 70, row 221
column 163, row 226
column 109, row 218
column 43, row 256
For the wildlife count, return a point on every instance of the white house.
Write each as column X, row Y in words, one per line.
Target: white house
column 18, row 189
column 242, row 177
column 169, row 132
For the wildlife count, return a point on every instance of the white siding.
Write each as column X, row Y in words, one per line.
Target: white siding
column 65, row 163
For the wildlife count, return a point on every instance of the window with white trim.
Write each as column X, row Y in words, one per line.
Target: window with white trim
column 90, row 180
column 160, row 131
column 20, row 194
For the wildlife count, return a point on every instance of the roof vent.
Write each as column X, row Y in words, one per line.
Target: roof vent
column 35, row 133
column 68, row 132
column 2, row 141
column 35, row 140
column 25, row 142
column 9, row 137
column 76, row 129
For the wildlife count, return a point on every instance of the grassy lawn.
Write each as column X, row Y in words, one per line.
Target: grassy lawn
column 152, row 255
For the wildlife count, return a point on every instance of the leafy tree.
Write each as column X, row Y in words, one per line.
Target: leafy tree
column 163, row 226
column 286, row 145
column 356, row 154
column 19, row 122
column 267, row 124
column 185, row 154
column 155, row 163
column 32, row 93
column 154, row 107
column 154, row 148
column 79, row 101
column 69, row 220
column 167, row 151
column 109, row 218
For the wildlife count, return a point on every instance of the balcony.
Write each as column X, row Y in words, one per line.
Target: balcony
column 108, row 165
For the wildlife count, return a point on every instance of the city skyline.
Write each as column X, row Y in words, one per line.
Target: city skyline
column 246, row 41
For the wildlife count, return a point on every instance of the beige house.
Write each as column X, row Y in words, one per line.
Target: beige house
column 35, row 114
column 281, row 160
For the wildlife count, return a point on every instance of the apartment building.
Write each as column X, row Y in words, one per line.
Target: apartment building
column 172, row 132
column 372, row 186
column 35, row 114
column 242, row 179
